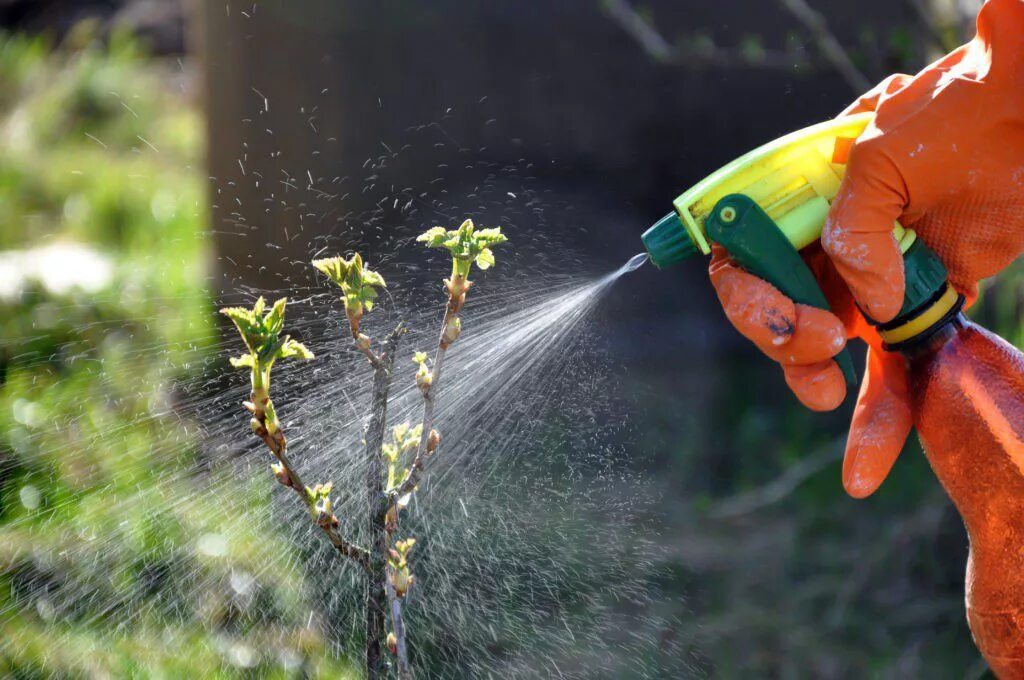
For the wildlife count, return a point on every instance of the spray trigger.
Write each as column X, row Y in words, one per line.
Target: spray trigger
column 757, row 244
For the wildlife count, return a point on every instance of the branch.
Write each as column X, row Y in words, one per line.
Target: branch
column 289, row 477
column 363, row 343
column 398, row 626
column 930, row 26
column 659, row 49
column 652, row 42
column 378, row 502
column 374, row 439
column 780, row 487
column 827, row 43
column 428, row 438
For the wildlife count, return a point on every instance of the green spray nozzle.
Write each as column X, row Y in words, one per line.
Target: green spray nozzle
column 667, row 241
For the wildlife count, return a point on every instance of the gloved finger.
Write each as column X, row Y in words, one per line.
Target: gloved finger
column 789, row 333
column 818, row 335
column 819, row 387
column 858, row 232
column 756, row 308
column 869, row 100
column 881, row 423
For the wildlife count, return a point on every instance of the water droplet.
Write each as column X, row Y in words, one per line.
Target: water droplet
column 30, row 497
column 214, row 545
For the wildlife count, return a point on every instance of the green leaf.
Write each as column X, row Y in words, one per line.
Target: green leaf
column 466, row 244
column 399, row 432
column 294, row 348
column 237, row 314
column 485, row 259
column 244, row 361
column 372, row 278
column 419, row 357
column 491, row 237
column 336, row 268
column 356, row 281
column 434, row 238
column 261, row 335
column 274, row 321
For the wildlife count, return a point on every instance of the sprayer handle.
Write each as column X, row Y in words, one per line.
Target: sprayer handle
column 755, row 242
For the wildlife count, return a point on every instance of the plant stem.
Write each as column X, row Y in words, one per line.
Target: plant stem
column 429, row 398
column 398, row 625
column 828, row 44
column 378, row 503
column 452, row 307
column 278, row 446
column 371, row 356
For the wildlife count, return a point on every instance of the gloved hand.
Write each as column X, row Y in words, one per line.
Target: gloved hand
column 944, row 156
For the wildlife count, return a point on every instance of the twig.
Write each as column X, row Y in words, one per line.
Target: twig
column 378, row 503
column 706, row 54
column 289, row 477
column 828, row 44
column 931, row 28
column 923, row 522
column 398, row 626
column 716, row 56
column 659, row 49
column 363, row 343
column 640, row 30
column 457, row 288
column 780, row 487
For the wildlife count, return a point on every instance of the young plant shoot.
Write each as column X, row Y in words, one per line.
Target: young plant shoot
column 261, row 334
column 395, row 467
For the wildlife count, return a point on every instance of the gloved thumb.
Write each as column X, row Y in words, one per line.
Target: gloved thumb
column 858, row 232
column 881, row 422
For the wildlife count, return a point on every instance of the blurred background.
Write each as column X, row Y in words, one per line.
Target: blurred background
column 160, row 157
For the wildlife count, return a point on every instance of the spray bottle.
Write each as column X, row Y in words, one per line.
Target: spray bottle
column 966, row 384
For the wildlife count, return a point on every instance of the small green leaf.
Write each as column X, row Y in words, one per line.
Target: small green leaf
column 336, row 268
column 434, row 238
column 356, row 281
column 372, row 278
column 491, row 237
column 244, row 361
column 419, row 358
column 294, row 348
column 485, row 259
column 274, row 320
column 238, row 314
column 466, row 245
column 261, row 335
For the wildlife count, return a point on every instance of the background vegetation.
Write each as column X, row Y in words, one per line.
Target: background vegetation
column 107, row 325
column 104, row 572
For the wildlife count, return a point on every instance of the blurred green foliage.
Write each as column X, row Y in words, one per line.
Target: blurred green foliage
column 104, row 571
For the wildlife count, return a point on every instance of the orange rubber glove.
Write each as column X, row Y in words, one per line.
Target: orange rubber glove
column 944, row 156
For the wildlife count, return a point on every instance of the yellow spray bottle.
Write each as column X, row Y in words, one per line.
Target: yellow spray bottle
column 767, row 205
column 966, row 385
